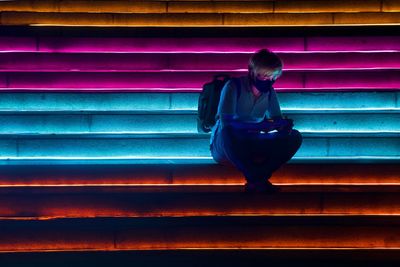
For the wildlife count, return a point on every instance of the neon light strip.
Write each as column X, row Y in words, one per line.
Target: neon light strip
column 15, row 161
column 194, row 111
column 186, row 158
column 172, row 185
column 381, row 249
column 194, row 134
column 356, row 110
column 87, row 70
column 211, row 25
column 203, row 52
column 197, row 90
column 211, row 214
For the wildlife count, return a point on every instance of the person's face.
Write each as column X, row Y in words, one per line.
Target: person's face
column 264, row 74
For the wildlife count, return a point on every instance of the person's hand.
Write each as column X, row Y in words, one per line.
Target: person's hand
column 279, row 124
column 268, row 125
column 287, row 125
column 285, row 129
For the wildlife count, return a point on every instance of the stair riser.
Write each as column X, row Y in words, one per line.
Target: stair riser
column 183, row 123
column 111, row 81
column 213, row 175
column 185, row 101
column 234, row 6
column 23, row 205
column 198, row 45
column 68, row 237
column 184, row 147
column 199, row 19
column 21, row 62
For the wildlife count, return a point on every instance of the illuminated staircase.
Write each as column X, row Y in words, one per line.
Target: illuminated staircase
column 101, row 163
column 203, row 13
column 107, row 110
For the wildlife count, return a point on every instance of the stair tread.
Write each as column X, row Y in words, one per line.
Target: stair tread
column 200, row 233
column 146, row 62
column 192, row 111
column 164, row 149
column 196, row 175
column 351, row 257
column 39, row 160
column 232, row 189
column 188, row 135
column 243, row 6
column 327, row 102
column 26, row 203
column 331, row 19
column 66, row 81
column 200, row 45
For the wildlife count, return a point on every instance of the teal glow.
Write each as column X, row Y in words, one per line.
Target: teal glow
column 193, row 160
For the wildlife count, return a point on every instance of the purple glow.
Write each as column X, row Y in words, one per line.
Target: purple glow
column 129, row 64
column 199, row 45
column 60, row 62
column 358, row 43
column 168, row 44
column 320, row 80
column 186, row 90
column 27, row 44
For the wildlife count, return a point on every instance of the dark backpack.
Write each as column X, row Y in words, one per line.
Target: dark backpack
column 208, row 101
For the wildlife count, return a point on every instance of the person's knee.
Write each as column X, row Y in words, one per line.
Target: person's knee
column 296, row 138
column 227, row 132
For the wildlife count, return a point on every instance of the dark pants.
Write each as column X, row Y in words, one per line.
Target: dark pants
column 256, row 155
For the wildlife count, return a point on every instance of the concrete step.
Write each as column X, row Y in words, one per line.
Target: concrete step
column 182, row 62
column 212, row 177
column 209, row 257
column 196, row 45
column 200, row 19
column 299, row 45
column 170, row 147
column 307, row 121
column 127, row 103
column 202, row 6
column 54, row 202
column 195, row 233
column 193, row 81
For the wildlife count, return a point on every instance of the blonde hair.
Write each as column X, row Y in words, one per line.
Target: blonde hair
column 264, row 59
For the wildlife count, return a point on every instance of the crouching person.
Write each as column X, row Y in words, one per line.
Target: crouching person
column 250, row 132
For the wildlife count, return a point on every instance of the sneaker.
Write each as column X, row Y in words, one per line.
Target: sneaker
column 272, row 188
column 261, row 187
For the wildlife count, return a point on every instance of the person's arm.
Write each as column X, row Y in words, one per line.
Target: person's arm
column 227, row 104
column 274, row 108
column 275, row 112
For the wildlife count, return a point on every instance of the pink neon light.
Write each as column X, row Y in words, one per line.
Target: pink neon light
column 236, row 45
column 364, row 79
column 59, row 62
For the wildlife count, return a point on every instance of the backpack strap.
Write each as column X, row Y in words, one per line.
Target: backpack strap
column 238, row 86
